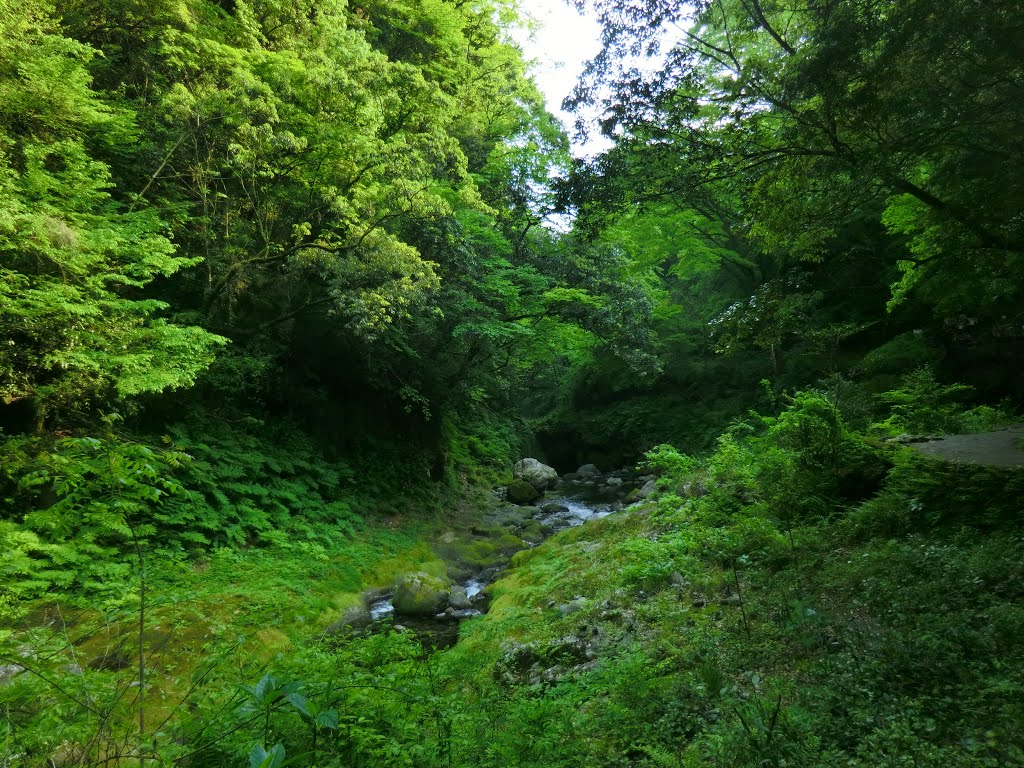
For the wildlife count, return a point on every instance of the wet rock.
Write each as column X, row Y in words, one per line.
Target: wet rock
column 420, row 594
column 540, row 476
column 613, row 481
column 554, row 508
column 522, row 492
column 458, row 599
column 481, row 601
column 571, row 477
column 510, row 516
column 588, row 470
column 535, row 532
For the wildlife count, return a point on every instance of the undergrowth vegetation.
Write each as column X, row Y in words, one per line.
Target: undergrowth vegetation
column 806, row 594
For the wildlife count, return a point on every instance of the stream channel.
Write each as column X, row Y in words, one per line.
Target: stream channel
column 572, row 503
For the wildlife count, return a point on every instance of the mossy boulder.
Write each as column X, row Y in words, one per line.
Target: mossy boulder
column 420, row 594
column 521, row 492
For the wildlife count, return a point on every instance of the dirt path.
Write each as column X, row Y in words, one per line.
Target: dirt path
column 1001, row 448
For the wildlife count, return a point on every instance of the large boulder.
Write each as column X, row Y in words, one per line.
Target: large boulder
column 588, row 470
column 420, row 594
column 540, row 476
column 521, row 492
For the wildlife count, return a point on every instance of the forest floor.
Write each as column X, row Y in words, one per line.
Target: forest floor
column 999, row 448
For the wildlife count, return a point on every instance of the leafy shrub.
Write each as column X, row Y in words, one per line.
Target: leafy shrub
column 923, row 405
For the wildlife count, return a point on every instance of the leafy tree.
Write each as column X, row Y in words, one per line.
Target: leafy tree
column 826, row 109
column 75, row 327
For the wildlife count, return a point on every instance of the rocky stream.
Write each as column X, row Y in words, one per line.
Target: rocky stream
column 535, row 505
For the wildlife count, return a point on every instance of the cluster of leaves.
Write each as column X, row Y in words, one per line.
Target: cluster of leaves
column 74, row 326
column 922, row 405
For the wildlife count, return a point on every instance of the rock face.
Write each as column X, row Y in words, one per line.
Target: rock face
column 521, row 492
column 420, row 594
column 540, row 476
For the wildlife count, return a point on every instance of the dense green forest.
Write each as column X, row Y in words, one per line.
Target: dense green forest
column 289, row 287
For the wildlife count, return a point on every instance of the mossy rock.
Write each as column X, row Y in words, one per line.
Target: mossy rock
column 521, row 492
column 510, row 516
column 271, row 641
column 478, row 554
column 535, row 532
column 420, row 594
